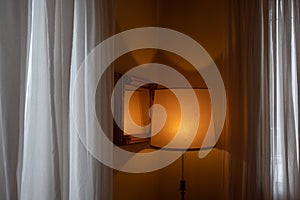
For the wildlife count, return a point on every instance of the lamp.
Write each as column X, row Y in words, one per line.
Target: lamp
column 167, row 99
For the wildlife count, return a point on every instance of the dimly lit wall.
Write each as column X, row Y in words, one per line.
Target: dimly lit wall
column 204, row 180
column 203, row 21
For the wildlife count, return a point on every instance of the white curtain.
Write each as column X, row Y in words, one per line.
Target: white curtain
column 263, row 75
column 282, row 61
column 42, row 44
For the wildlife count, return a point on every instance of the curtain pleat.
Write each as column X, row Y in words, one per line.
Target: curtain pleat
column 87, row 33
column 13, row 39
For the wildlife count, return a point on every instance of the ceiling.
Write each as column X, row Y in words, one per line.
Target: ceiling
column 202, row 20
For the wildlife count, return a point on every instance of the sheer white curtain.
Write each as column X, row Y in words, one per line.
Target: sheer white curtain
column 284, row 74
column 90, row 20
column 42, row 44
column 263, row 57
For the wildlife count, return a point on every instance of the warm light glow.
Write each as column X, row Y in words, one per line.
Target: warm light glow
column 173, row 119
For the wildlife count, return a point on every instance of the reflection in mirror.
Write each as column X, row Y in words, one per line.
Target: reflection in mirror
column 133, row 108
column 136, row 111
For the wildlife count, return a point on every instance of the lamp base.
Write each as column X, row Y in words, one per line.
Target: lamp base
column 182, row 188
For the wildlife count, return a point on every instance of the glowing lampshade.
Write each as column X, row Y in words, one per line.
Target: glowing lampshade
column 167, row 99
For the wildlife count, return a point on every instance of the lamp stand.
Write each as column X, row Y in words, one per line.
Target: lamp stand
column 182, row 181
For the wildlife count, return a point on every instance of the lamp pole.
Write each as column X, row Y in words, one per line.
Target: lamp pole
column 182, row 181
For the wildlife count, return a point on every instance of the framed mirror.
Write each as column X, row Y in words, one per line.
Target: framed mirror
column 132, row 108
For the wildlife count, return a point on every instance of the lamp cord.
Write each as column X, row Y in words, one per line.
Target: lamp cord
column 182, row 181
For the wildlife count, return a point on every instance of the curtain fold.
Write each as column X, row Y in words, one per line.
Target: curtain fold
column 13, row 39
column 42, row 44
column 236, row 83
column 89, row 30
